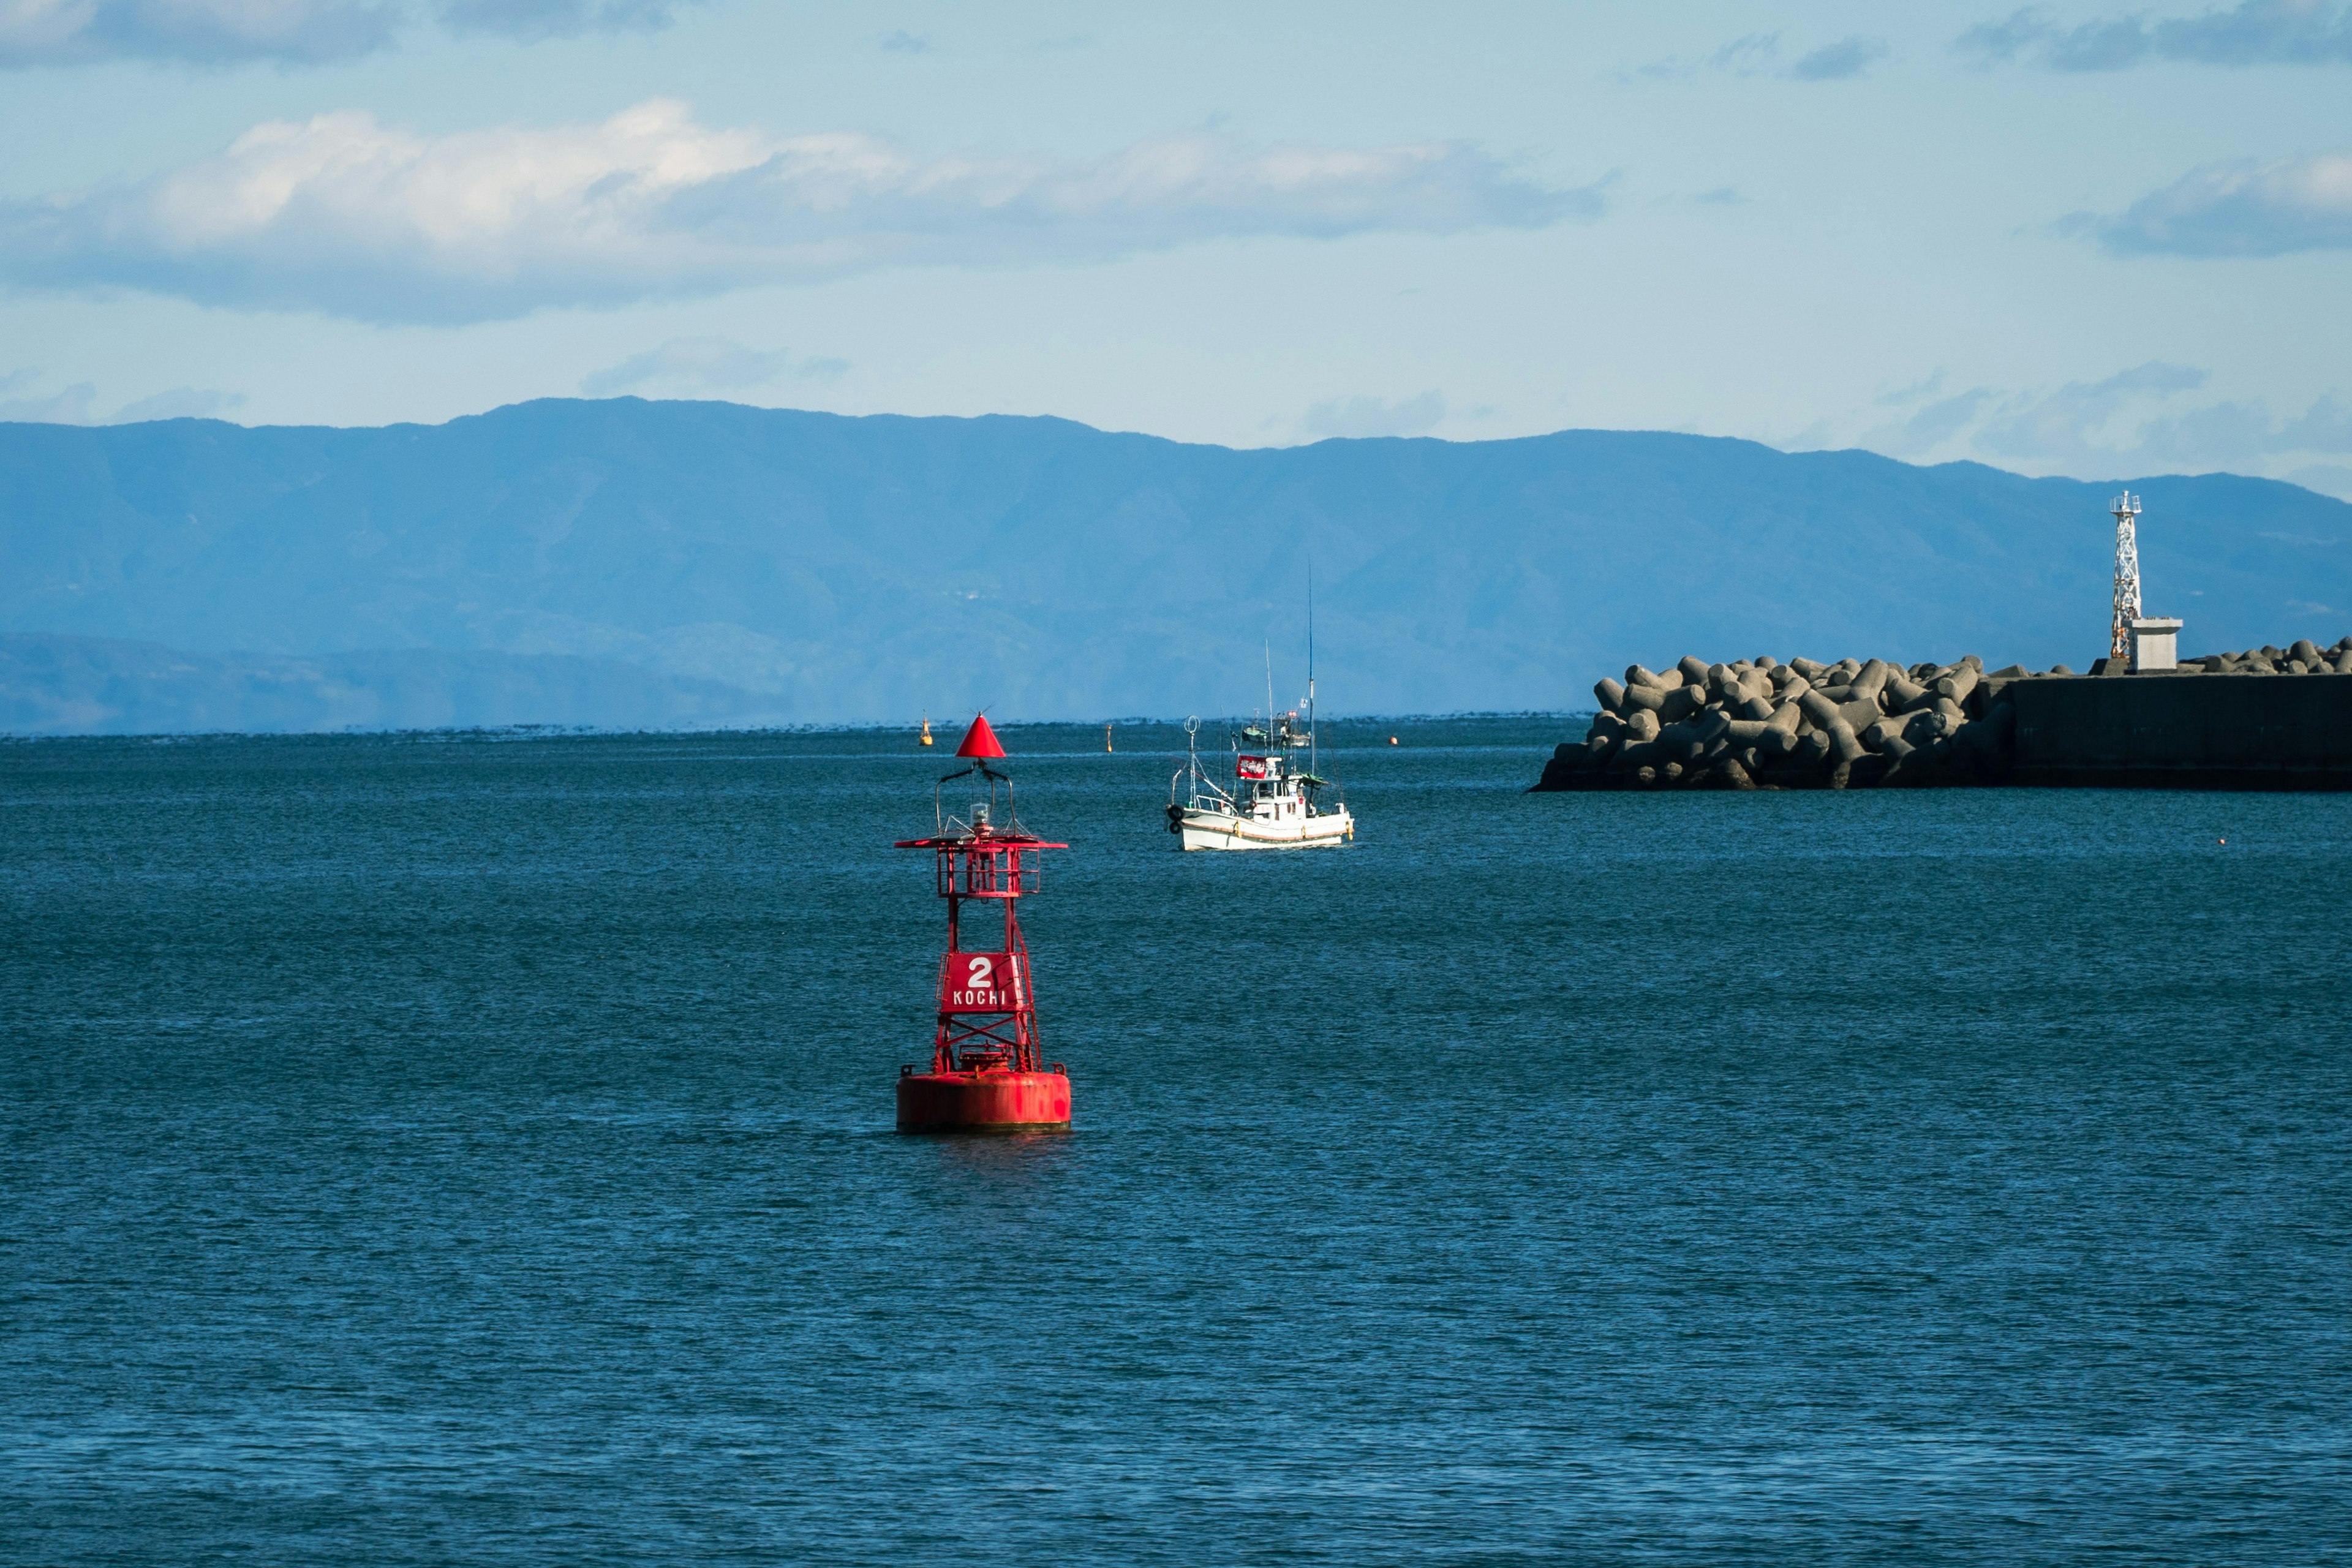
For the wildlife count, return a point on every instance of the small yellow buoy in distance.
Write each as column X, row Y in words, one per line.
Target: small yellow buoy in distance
column 1391, row 740
column 927, row 730
column 1106, row 737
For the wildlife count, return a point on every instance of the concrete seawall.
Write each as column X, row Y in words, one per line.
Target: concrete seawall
column 2184, row 731
column 2270, row 718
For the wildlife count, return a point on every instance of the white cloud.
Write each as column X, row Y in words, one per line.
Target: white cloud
column 533, row 20
column 210, row 32
column 1747, row 56
column 2324, row 427
column 2136, row 419
column 1927, row 387
column 344, row 215
column 288, row 32
column 686, row 366
column 180, row 403
column 2238, row 209
column 2252, row 33
column 76, row 404
column 2328, row 479
column 2239, row 434
column 2068, row 423
column 1929, row 427
column 1362, row 416
column 70, row 407
column 1758, row 54
column 1836, row 62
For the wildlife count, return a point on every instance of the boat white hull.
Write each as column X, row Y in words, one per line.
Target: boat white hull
column 1222, row 830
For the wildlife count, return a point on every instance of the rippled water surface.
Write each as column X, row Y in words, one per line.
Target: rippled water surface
column 436, row 1149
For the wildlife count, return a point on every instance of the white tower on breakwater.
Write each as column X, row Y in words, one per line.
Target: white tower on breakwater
column 2125, row 508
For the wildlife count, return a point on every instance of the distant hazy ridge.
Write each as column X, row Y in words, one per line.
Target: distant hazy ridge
column 645, row 564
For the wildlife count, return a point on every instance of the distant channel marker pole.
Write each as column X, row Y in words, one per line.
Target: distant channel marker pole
column 2125, row 508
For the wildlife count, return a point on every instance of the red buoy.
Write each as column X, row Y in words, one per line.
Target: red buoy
column 985, row 1073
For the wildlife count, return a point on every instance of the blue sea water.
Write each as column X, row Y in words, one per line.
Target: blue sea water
column 467, row 1149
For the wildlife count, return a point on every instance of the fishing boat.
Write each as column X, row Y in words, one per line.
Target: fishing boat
column 1273, row 804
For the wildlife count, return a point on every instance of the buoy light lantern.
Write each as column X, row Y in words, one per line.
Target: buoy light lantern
column 986, row 1075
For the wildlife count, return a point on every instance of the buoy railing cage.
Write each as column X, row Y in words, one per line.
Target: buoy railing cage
column 989, row 867
column 983, row 822
column 987, row 1008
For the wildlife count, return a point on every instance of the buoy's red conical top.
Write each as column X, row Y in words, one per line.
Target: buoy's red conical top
column 980, row 741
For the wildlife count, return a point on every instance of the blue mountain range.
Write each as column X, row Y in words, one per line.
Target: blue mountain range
column 639, row 563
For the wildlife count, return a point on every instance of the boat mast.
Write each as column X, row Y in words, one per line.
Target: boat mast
column 1272, row 749
column 1312, row 772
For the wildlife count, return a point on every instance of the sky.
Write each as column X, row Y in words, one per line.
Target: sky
column 2078, row 239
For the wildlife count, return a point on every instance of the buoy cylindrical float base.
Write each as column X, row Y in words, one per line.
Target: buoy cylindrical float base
column 984, row 1101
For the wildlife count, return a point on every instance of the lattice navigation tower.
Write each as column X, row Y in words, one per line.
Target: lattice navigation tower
column 2125, row 508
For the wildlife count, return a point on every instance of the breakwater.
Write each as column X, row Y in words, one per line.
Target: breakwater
column 2267, row 717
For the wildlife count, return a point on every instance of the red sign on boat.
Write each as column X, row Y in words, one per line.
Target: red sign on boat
column 1249, row 767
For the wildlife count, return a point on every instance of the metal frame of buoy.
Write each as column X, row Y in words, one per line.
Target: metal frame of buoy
column 986, row 1075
